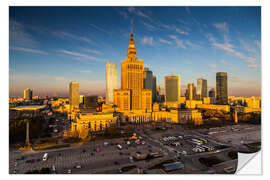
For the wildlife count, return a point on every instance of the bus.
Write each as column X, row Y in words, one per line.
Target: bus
column 45, row 157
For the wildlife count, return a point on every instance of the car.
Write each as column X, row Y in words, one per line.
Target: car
column 69, row 171
column 120, row 170
column 78, row 166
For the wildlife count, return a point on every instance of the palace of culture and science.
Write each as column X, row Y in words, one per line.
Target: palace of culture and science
column 132, row 96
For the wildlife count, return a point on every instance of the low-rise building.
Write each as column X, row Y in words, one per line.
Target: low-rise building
column 84, row 123
column 192, row 104
column 225, row 108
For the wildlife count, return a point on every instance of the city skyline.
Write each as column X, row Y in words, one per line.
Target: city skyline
column 78, row 51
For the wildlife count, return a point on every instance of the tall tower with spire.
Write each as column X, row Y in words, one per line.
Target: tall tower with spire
column 132, row 96
column 132, row 74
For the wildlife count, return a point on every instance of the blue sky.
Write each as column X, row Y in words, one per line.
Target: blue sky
column 51, row 46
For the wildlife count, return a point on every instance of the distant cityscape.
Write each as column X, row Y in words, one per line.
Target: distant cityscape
column 134, row 129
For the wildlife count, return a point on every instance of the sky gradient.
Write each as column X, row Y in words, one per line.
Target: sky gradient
column 51, row 46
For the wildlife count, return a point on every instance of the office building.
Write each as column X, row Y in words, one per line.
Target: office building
column 74, row 95
column 212, row 93
column 201, row 88
column 191, row 92
column 221, row 88
column 91, row 102
column 149, row 82
column 154, row 90
column 28, row 93
column 111, row 81
column 172, row 88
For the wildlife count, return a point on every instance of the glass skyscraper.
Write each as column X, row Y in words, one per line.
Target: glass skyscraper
column 221, row 88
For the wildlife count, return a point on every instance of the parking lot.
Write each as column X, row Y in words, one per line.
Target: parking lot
column 89, row 156
column 235, row 135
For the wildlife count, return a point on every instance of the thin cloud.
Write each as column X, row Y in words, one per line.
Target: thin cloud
column 147, row 40
column 212, row 66
column 148, row 26
column 80, row 55
column 99, row 28
column 181, row 31
column 230, row 49
column 179, row 42
column 165, row 41
column 139, row 12
column 18, row 34
column 223, row 27
column 122, row 12
column 65, row 35
column 28, row 50
column 93, row 51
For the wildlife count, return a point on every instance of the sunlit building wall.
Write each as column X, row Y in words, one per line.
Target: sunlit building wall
column 132, row 74
column 225, row 108
column 201, row 88
column 172, row 88
column 74, row 95
column 111, row 81
column 154, row 89
column 28, row 93
column 147, row 100
column 191, row 92
column 122, row 99
column 221, row 88
column 84, row 123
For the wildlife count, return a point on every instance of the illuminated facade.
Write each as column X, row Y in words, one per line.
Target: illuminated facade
column 28, row 93
column 74, row 95
column 225, row 108
column 201, row 88
column 122, row 99
column 147, row 100
column 84, row 123
column 111, row 81
column 172, row 89
column 131, row 94
column 191, row 91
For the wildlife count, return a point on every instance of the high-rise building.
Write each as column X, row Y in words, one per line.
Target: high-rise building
column 201, row 88
column 172, row 88
column 91, row 102
column 28, row 93
column 154, row 90
column 132, row 79
column 111, row 81
column 82, row 98
column 191, row 92
column 149, row 82
column 147, row 78
column 221, row 88
column 74, row 95
column 212, row 93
